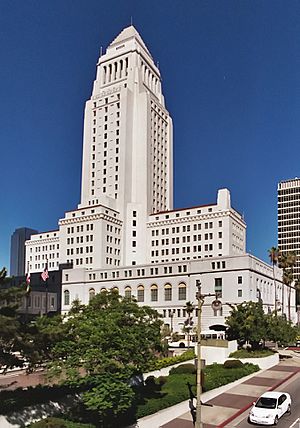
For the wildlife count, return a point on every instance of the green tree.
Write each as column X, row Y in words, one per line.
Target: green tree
column 12, row 337
column 103, row 343
column 274, row 255
column 280, row 330
column 287, row 262
column 189, row 309
column 247, row 324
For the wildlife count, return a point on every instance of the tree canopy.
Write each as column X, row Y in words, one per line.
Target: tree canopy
column 248, row 323
column 13, row 340
column 103, row 344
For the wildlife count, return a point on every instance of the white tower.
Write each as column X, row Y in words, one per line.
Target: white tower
column 127, row 149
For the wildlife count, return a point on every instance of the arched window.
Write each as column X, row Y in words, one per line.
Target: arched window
column 66, row 297
column 128, row 292
column 103, row 290
column 115, row 290
column 182, row 291
column 140, row 293
column 168, row 292
column 91, row 293
column 154, row 293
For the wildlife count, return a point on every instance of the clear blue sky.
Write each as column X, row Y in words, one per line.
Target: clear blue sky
column 231, row 81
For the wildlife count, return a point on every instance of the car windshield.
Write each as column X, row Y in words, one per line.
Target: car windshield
column 266, row 403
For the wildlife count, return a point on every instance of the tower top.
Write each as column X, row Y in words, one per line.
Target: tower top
column 127, row 34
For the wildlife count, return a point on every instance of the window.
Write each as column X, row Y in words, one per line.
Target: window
column 128, row 292
column 182, row 291
column 218, row 286
column 66, row 297
column 240, row 293
column 140, row 293
column 154, row 293
column 240, row 280
column 91, row 293
column 168, row 292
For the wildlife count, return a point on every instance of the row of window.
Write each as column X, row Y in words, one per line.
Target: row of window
column 80, row 250
column 115, row 71
column 45, row 248
column 178, row 250
column 154, row 292
column 89, row 227
column 79, row 239
column 44, row 256
column 38, row 266
column 184, row 239
column 184, row 228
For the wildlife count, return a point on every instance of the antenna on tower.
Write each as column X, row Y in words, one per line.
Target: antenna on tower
column 100, row 50
column 131, row 20
column 157, row 64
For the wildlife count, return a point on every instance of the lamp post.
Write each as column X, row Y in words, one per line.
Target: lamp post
column 216, row 304
column 172, row 313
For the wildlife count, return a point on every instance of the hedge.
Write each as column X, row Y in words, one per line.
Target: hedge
column 169, row 361
column 232, row 364
column 244, row 353
column 175, row 389
column 59, row 423
column 183, row 368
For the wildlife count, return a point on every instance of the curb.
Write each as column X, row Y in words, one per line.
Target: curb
column 240, row 411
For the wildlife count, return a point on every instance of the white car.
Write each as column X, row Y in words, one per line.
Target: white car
column 269, row 408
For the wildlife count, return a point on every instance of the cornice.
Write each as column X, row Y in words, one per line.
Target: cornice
column 90, row 217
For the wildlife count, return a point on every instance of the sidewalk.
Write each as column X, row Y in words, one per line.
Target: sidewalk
column 236, row 400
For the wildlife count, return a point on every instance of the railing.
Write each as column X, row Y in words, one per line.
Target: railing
column 296, row 424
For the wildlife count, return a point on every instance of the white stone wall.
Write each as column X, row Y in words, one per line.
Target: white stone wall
column 235, row 272
column 42, row 247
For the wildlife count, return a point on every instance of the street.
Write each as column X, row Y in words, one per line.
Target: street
column 293, row 388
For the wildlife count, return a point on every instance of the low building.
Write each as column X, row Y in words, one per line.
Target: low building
column 168, row 286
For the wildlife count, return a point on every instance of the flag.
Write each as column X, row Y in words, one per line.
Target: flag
column 28, row 288
column 45, row 274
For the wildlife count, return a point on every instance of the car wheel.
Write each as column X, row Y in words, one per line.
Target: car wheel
column 249, row 420
column 289, row 410
column 276, row 420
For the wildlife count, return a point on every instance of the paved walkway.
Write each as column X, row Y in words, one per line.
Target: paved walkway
column 227, row 406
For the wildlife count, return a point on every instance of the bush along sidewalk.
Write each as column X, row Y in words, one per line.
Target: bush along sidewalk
column 258, row 353
column 170, row 361
column 167, row 391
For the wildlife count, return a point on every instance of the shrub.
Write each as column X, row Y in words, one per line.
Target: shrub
column 183, row 368
column 176, row 388
column 248, row 353
column 59, row 423
column 150, row 381
column 233, row 364
column 169, row 361
column 162, row 380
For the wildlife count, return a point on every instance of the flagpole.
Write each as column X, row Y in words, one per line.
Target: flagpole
column 27, row 292
column 47, row 289
column 45, row 276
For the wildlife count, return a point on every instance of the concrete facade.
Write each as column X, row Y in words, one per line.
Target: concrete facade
column 289, row 220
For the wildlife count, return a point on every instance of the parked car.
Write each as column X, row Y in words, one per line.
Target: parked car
column 269, row 408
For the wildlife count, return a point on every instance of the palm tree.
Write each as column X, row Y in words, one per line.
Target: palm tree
column 287, row 262
column 274, row 255
column 189, row 308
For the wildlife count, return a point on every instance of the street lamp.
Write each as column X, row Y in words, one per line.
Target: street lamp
column 216, row 304
column 172, row 313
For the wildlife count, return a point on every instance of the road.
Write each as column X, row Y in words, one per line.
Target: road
column 293, row 388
